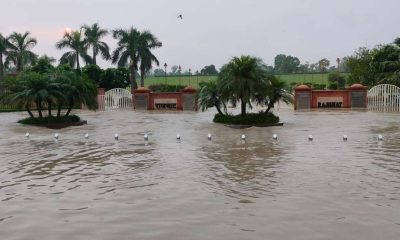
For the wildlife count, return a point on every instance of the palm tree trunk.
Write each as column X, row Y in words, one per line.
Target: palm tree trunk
column 39, row 108
column 132, row 78
column 1, row 72
column 216, row 104
column 49, row 106
column 71, row 104
column 59, row 110
column 29, row 111
column 78, row 67
column 243, row 106
column 142, row 75
column 94, row 56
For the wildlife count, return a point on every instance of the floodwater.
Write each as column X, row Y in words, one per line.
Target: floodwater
column 99, row 188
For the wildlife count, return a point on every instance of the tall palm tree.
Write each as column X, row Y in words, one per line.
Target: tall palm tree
column 5, row 45
column 244, row 79
column 20, row 53
column 78, row 48
column 93, row 34
column 147, row 42
column 126, row 52
column 134, row 47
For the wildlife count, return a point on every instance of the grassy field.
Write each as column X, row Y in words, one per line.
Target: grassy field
column 314, row 78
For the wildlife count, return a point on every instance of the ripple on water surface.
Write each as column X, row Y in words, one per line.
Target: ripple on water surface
column 99, row 188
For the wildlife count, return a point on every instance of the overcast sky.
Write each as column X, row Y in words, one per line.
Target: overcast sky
column 213, row 31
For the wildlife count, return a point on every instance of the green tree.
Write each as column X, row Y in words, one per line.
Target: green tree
column 126, row 52
column 209, row 70
column 93, row 35
column 323, row 65
column 386, row 64
column 337, row 79
column 93, row 72
column 360, row 67
column 146, row 43
column 210, row 96
column 114, row 78
column 277, row 93
column 43, row 65
column 5, row 45
column 78, row 48
column 286, row 64
column 244, row 79
column 20, row 53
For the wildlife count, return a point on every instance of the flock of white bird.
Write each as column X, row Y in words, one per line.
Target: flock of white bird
column 209, row 137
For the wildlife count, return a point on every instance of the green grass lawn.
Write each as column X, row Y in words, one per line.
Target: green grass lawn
column 314, row 78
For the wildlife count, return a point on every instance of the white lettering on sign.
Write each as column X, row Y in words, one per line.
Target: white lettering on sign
column 165, row 100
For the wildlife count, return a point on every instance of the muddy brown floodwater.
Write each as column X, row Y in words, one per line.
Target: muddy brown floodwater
column 99, row 188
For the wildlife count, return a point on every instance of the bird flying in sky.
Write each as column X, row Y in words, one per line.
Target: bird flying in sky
column 180, row 16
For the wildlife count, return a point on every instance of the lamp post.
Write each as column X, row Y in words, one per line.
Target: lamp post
column 190, row 70
column 165, row 72
column 179, row 69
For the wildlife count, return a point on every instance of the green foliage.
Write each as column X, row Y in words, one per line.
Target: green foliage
column 93, row 34
column 44, row 91
column 338, row 79
column 19, row 52
column 93, row 72
column 210, row 96
column 333, row 86
column 166, row 88
column 323, row 64
column 114, row 78
column 209, row 70
column 286, row 64
column 50, row 119
column 250, row 118
column 359, row 65
column 316, row 86
column 43, row 65
column 75, row 42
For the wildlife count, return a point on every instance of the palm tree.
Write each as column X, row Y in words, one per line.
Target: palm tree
column 5, row 45
column 78, row 46
column 127, row 51
column 147, row 41
column 76, row 90
column 93, row 34
column 19, row 53
column 244, row 79
column 210, row 96
column 134, row 47
column 277, row 93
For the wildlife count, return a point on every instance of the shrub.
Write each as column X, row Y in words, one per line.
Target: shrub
column 166, row 88
column 333, row 86
column 250, row 118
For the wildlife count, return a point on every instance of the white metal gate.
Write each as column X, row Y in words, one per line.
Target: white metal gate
column 384, row 98
column 118, row 98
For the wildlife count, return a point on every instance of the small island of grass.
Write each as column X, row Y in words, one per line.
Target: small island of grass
column 246, row 81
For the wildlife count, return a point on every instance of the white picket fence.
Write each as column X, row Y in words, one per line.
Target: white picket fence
column 384, row 98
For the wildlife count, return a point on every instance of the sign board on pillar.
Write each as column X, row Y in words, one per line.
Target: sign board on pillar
column 358, row 99
column 165, row 103
column 189, row 102
column 141, row 102
column 303, row 100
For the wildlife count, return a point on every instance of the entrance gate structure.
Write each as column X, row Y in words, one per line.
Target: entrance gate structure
column 117, row 98
column 384, row 98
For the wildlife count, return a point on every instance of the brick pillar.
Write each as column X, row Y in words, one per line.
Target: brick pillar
column 302, row 97
column 141, row 99
column 357, row 96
